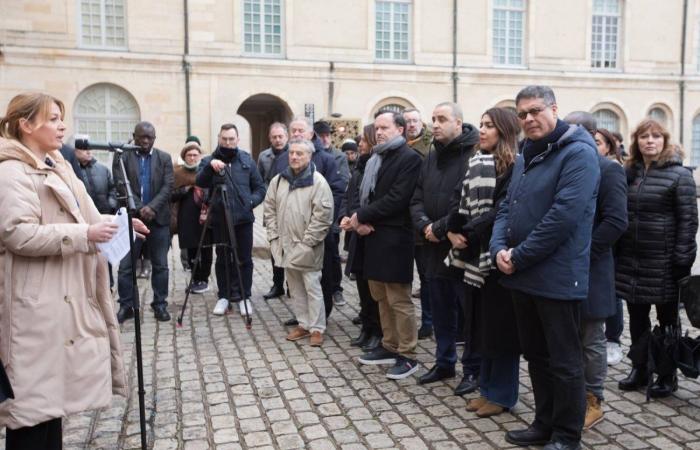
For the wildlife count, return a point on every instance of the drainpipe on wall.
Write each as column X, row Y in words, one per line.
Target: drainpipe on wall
column 331, row 87
column 681, row 83
column 187, row 68
column 455, row 77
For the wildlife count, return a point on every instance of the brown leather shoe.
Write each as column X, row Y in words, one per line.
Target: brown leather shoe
column 297, row 333
column 476, row 403
column 489, row 409
column 316, row 339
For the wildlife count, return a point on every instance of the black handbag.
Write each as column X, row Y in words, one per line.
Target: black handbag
column 688, row 356
column 5, row 387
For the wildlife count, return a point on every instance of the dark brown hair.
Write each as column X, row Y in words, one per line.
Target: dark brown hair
column 506, row 123
column 32, row 106
column 609, row 139
column 647, row 124
column 369, row 135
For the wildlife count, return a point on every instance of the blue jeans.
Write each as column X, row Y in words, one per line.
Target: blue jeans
column 426, row 314
column 615, row 324
column 447, row 297
column 158, row 242
column 244, row 239
column 498, row 380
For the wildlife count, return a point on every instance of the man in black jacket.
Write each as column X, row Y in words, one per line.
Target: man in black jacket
column 98, row 182
column 384, row 219
column 442, row 169
column 150, row 174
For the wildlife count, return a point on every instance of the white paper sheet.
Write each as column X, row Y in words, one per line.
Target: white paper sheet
column 117, row 247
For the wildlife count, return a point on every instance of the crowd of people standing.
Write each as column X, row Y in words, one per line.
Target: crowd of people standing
column 528, row 232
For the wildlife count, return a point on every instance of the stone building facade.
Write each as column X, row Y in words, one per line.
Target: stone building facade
column 190, row 65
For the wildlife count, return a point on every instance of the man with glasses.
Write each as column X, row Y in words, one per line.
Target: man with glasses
column 541, row 241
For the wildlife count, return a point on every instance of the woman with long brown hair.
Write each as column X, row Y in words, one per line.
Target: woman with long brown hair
column 494, row 334
column 59, row 337
column 658, row 248
column 371, row 332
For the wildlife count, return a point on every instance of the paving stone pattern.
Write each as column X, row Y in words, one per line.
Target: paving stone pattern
column 212, row 384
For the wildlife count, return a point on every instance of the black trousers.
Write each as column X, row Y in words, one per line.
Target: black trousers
column 204, row 267
column 549, row 336
column 666, row 313
column 328, row 272
column 277, row 275
column 337, row 268
column 369, row 309
column 44, row 436
column 239, row 289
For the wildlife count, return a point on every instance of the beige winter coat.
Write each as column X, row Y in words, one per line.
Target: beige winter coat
column 59, row 337
column 297, row 222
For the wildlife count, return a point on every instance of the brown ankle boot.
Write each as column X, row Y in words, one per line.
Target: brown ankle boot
column 489, row 409
column 316, row 339
column 594, row 411
column 476, row 403
column 297, row 333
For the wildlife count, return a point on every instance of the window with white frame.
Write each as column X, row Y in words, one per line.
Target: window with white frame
column 392, row 24
column 659, row 115
column 262, row 27
column 608, row 119
column 102, row 23
column 605, row 34
column 508, row 26
column 695, row 155
column 106, row 112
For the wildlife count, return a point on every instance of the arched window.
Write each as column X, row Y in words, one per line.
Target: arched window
column 659, row 115
column 392, row 107
column 391, row 104
column 695, row 155
column 608, row 119
column 106, row 112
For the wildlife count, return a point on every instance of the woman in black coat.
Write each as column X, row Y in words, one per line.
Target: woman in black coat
column 494, row 332
column 658, row 248
column 371, row 333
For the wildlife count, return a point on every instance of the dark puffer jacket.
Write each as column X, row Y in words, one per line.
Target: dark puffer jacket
column 659, row 244
column 442, row 170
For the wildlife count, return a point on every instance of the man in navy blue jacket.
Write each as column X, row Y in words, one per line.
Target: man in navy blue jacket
column 246, row 190
column 541, row 241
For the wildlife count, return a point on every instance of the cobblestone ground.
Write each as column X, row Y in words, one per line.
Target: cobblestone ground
column 212, row 384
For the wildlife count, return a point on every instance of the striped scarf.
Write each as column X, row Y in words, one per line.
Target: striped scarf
column 478, row 189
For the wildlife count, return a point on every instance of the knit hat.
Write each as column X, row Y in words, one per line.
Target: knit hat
column 193, row 138
column 321, row 127
column 190, row 146
column 349, row 145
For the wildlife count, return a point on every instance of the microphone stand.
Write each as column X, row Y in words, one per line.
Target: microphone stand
column 130, row 210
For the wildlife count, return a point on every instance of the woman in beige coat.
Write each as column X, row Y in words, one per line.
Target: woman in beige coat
column 59, row 338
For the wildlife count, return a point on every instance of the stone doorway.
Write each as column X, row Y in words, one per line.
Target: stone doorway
column 261, row 110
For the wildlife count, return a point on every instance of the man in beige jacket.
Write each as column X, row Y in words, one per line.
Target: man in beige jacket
column 298, row 214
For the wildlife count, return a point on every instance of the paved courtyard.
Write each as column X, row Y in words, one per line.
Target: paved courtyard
column 212, row 384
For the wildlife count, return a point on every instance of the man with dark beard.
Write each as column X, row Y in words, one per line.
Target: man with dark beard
column 442, row 170
column 246, row 190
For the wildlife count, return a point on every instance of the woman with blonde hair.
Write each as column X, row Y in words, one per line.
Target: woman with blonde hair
column 59, row 337
column 658, row 248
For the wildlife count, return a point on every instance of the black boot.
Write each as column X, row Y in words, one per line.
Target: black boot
column 373, row 341
column 360, row 340
column 664, row 386
column 125, row 313
column 635, row 380
column 437, row 373
column 275, row 291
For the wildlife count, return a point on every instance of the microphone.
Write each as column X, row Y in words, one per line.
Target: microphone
column 86, row 144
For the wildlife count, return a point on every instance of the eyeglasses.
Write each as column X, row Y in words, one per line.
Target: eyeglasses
column 522, row 115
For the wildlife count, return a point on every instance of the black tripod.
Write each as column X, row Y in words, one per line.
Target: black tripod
column 220, row 192
column 128, row 202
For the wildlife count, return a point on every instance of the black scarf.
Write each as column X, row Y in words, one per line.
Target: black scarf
column 533, row 148
column 225, row 154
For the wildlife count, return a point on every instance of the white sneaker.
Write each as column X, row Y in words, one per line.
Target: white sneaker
column 242, row 307
column 614, row 353
column 221, row 307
